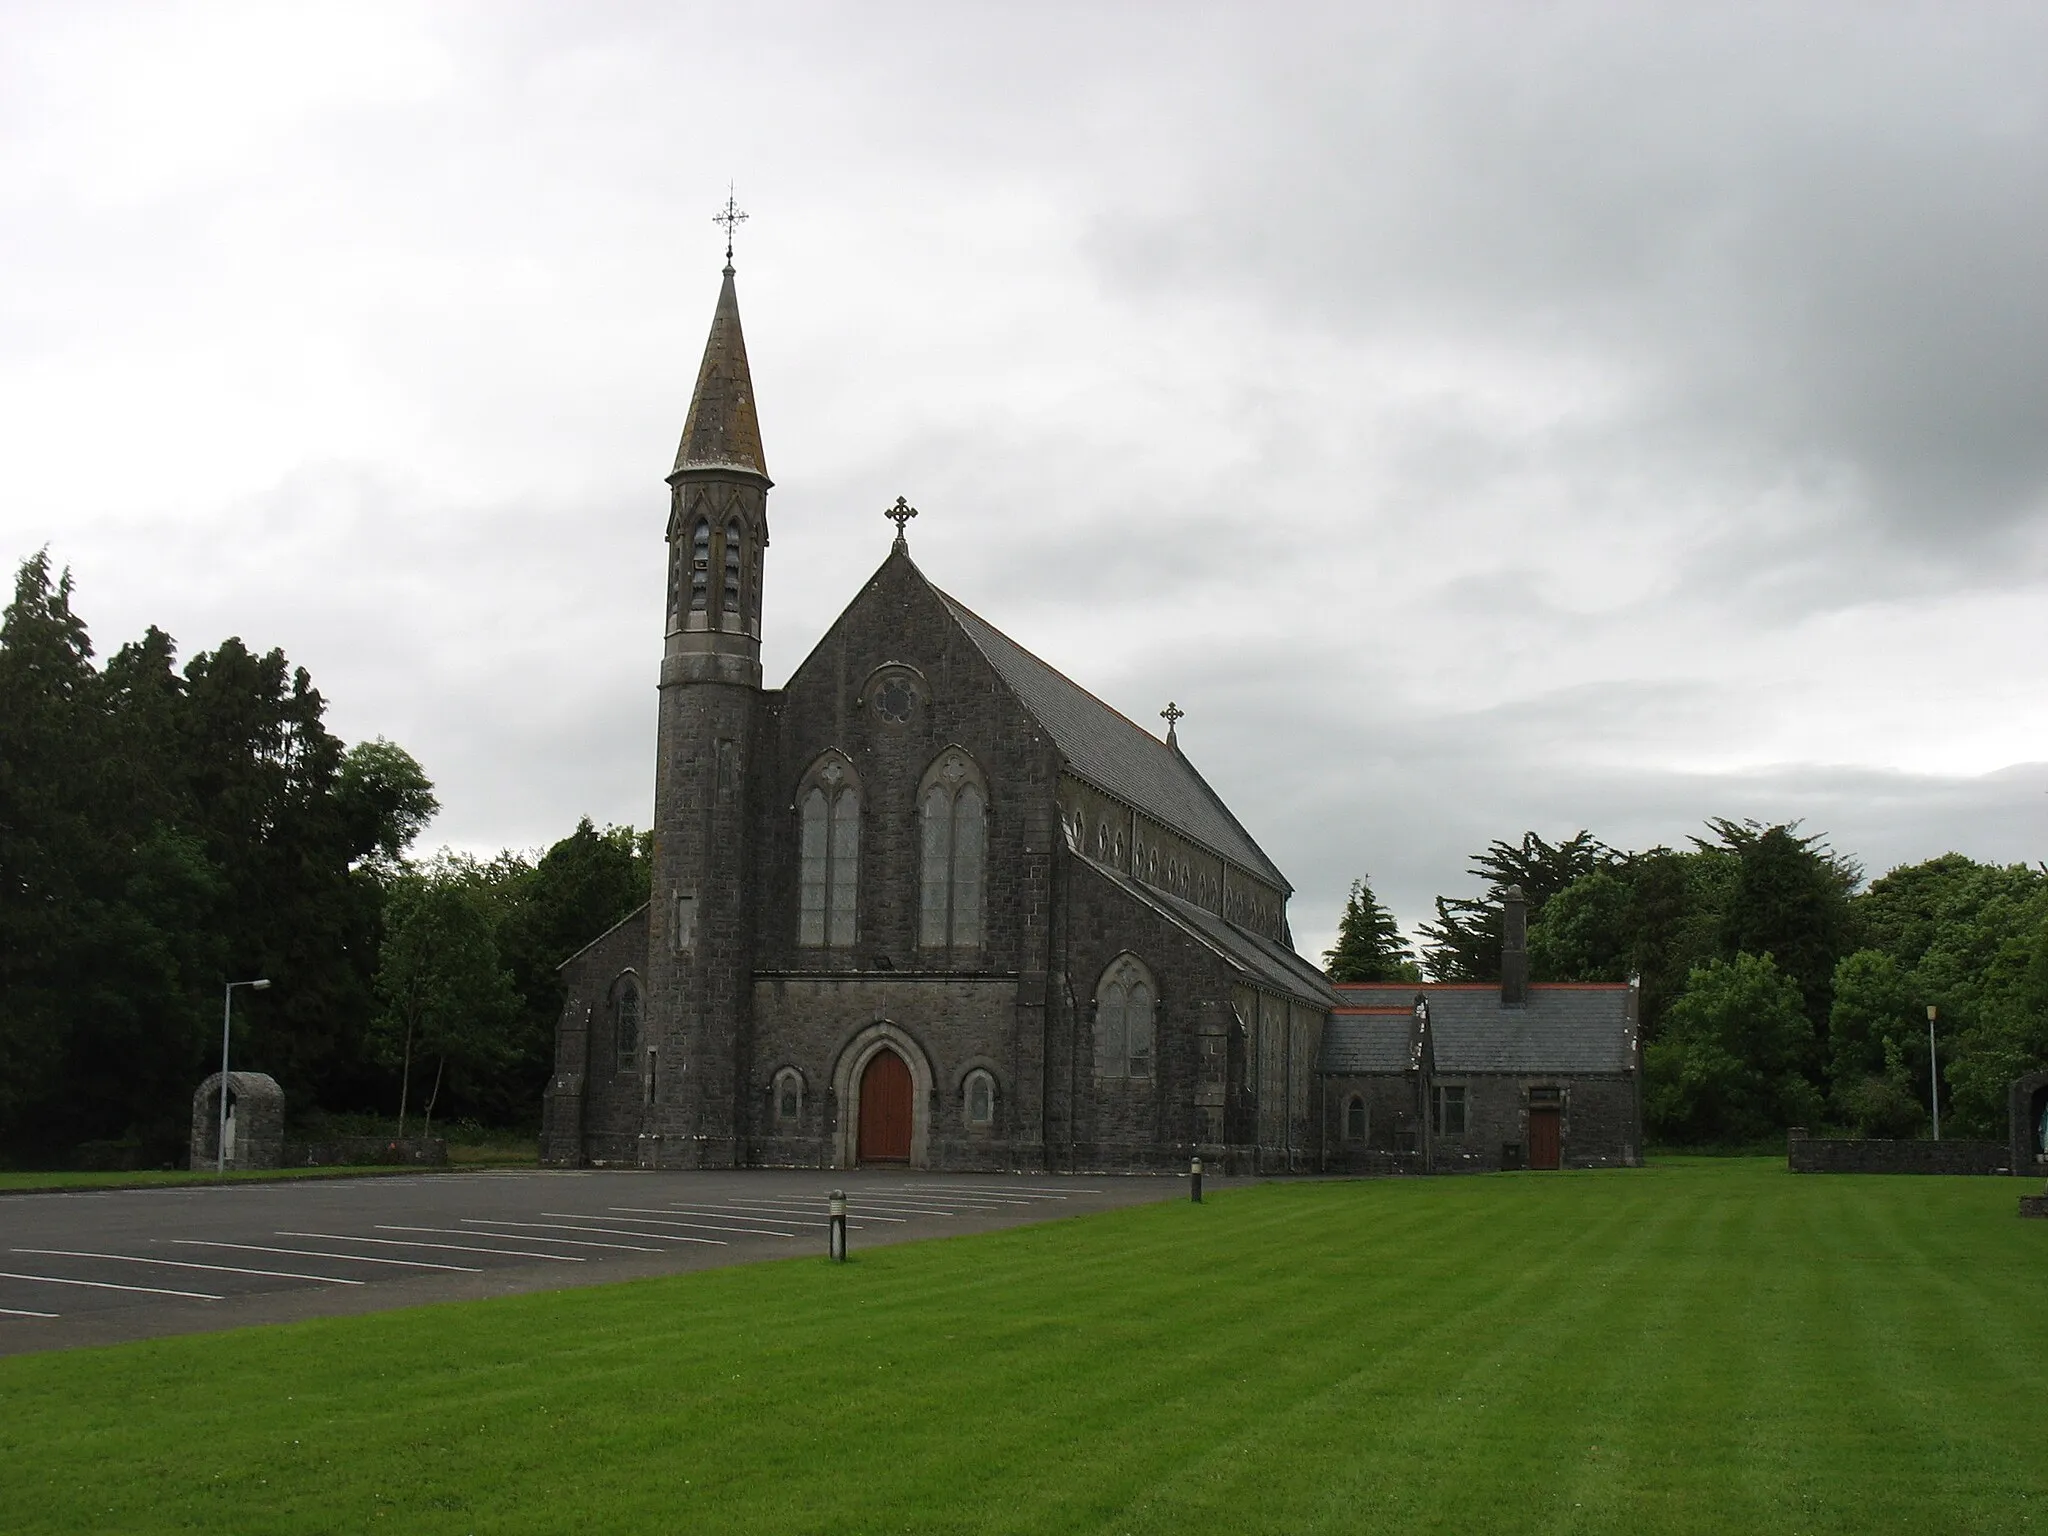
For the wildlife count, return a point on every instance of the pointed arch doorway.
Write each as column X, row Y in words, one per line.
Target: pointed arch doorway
column 886, row 1102
column 881, row 1117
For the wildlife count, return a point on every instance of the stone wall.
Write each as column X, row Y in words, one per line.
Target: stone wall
column 591, row 1109
column 1393, row 1121
column 1813, row 1154
column 1600, row 1125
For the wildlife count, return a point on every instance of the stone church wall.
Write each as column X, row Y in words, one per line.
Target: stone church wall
column 1113, row 833
column 1393, row 1123
column 591, row 1109
column 1122, row 1123
column 807, row 1022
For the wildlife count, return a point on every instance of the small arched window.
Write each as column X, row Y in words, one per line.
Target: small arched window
column 626, row 1022
column 828, row 855
column 979, row 1093
column 1354, row 1120
column 1125, row 1006
column 789, row 1100
column 700, row 568
column 735, row 551
column 953, row 846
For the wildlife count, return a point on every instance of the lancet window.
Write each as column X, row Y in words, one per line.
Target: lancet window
column 626, row 1022
column 953, row 837
column 828, row 855
column 700, row 568
column 735, row 551
column 1126, row 1002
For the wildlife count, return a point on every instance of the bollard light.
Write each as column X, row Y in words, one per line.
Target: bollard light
column 1195, row 1181
column 838, row 1226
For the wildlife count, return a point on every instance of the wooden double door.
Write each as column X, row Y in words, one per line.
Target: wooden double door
column 885, row 1109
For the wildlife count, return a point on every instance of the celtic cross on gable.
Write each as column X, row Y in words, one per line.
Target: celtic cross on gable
column 900, row 514
column 1173, row 714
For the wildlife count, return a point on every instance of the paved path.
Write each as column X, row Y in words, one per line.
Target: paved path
column 104, row 1266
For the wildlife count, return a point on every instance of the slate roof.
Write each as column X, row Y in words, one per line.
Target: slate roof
column 1564, row 1028
column 1260, row 958
column 1371, row 1040
column 1115, row 754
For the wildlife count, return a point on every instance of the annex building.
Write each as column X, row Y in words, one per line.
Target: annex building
column 930, row 902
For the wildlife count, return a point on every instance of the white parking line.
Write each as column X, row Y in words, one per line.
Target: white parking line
column 386, row 1226
column 899, row 1207
column 18, row 1312
column 226, row 1269
column 652, row 1214
column 968, row 1192
column 317, row 1253
column 659, row 1237
column 1037, row 1190
column 663, row 1220
column 106, row 1285
column 787, row 1211
column 399, row 1242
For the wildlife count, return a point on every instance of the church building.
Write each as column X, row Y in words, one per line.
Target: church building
column 930, row 903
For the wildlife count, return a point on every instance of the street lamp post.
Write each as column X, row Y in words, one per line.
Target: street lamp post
column 227, row 1014
column 1933, row 1074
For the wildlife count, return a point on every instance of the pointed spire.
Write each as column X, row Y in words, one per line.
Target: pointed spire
column 722, row 430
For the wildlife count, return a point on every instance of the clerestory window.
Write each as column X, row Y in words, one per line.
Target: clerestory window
column 828, row 855
column 1125, row 1004
column 953, row 844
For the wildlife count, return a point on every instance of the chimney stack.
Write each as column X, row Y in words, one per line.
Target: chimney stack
column 1514, row 948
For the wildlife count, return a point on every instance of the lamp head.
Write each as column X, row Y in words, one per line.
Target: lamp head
column 1930, row 1013
column 264, row 985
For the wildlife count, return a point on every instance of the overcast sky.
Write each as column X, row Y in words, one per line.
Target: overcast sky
column 1477, row 417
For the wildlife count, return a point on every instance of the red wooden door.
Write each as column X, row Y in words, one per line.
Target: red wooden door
column 1543, row 1137
column 885, row 1110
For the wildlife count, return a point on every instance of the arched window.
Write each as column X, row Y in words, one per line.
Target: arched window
column 789, row 1100
column 828, row 855
column 1125, row 1005
column 1354, row 1120
column 700, row 568
column 953, row 843
column 734, row 553
column 626, row 1021
column 979, row 1096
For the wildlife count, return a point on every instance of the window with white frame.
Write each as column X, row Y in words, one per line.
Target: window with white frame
column 1126, row 1001
column 953, row 847
column 828, row 854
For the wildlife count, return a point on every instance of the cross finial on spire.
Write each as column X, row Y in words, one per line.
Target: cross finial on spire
column 900, row 514
column 731, row 217
column 1173, row 714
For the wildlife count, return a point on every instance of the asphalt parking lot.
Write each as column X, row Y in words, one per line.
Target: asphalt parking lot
column 104, row 1266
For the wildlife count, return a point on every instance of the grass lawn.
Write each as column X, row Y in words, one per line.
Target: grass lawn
column 1707, row 1345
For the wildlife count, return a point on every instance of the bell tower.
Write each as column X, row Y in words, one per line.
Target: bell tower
column 700, row 928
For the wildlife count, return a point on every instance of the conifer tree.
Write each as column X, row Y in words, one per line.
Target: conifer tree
column 1370, row 945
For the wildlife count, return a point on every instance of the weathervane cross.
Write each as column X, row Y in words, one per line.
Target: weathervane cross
column 900, row 514
column 1173, row 714
column 731, row 217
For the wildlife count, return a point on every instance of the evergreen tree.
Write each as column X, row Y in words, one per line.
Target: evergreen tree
column 1463, row 944
column 1370, row 945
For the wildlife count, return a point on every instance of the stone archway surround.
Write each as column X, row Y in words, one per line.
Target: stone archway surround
column 853, row 1061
